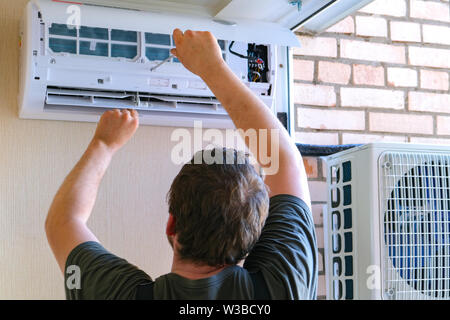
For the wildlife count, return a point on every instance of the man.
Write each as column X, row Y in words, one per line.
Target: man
column 219, row 214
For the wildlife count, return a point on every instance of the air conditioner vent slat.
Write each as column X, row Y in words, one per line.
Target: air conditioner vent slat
column 57, row 96
column 73, row 92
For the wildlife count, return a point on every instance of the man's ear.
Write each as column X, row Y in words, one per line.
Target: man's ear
column 170, row 228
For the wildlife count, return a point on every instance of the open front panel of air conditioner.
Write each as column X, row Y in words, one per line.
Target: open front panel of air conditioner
column 387, row 223
column 70, row 73
column 308, row 15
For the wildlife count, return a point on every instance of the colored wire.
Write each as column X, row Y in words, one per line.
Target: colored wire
column 238, row 54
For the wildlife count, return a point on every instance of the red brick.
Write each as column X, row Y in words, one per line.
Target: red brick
column 330, row 119
column 319, row 138
column 434, row 80
column 396, row 8
column 401, row 123
column 310, row 164
column 319, row 236
column 436, row 34
column 317, row 46
column 321, row 286
column 369, row 75
column 334, row 72
column 376, row 98
column 323, row 164
column 429, row 57
column 309, row 94
column 317, row 211
column 405, row 31
column 429, row 10
column 430, row 102
column 318, row 190
column 429, row 140
column 443, row 125
column 303, row 70
column 379, row 52
column 357, row 138
column 371, row 26
column 324, row 168
column 402, row 77
column 346, row 25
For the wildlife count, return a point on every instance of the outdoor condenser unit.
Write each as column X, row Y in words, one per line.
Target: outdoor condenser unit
column 80, row 58
column 387, row 223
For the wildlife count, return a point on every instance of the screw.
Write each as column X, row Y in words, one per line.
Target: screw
column 390, row 292
column 52, row 60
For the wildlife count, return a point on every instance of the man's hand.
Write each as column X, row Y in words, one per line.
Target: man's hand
column 116, row 127
column 198, row 51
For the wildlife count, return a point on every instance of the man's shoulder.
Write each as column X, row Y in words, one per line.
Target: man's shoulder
column 286, row 203
column 102, row 275
column 286, row 251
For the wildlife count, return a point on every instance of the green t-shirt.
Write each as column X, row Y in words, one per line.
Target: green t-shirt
column 285, row 254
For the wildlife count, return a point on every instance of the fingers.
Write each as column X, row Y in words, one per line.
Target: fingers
column 134, row 113
column 174, row 52
column 134, row 117
column 125, row 113
column 113, row 112
column 177, row 36
column 130, row 115
column 110, row 113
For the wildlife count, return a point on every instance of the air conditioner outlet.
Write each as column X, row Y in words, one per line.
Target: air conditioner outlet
column 58, row 96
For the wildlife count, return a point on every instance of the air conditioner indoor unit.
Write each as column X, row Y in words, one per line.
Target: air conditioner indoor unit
column 387, row 223
column 78, row 59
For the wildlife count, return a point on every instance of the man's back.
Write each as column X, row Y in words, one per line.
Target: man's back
column 218, row 205
column 284, row 256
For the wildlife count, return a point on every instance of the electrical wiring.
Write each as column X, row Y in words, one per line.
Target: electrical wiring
column 257, row 76
column 255, row 63
column 256, row 60
column 238, row 54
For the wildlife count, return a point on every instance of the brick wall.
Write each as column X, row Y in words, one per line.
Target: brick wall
column 381, row 74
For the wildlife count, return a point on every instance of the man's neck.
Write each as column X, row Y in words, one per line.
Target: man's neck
column 194, row 271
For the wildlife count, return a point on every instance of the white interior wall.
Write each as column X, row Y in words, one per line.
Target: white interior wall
column 130, row 214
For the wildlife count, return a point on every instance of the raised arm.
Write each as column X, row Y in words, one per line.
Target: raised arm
column 66, row 220
column 200, row 53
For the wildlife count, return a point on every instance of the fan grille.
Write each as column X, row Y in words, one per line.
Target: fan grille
column 416, row 226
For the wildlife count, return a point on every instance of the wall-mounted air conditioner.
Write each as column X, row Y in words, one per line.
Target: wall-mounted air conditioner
column 387, row 223
column 79, row 59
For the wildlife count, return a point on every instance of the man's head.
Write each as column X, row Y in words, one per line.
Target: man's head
column 218, row 208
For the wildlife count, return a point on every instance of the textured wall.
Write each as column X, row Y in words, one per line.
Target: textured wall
column 130, row 214
column 381, row 74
